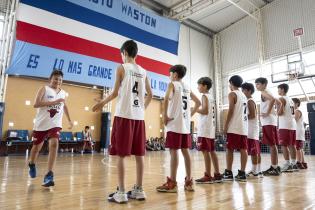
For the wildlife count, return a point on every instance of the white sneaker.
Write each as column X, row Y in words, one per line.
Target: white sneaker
column 252, row 175
column 287, row 168
column 118, row 197
column 137, row 193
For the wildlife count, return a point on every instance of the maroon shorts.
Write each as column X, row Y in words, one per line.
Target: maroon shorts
column 287, row 137
column 205, row 144
column 40, row 136
column 178, row 140
column 270, row 135
column 299, row 144
column 253, row 147
column 128, row 137
column 236, row 141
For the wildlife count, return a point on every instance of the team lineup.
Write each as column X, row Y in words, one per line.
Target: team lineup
column 280, row 119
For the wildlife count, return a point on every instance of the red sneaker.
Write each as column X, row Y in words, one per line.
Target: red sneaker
column 169, row 187
column 300, row 165
column 206, row 179
column 189, row 185
column 305, row 165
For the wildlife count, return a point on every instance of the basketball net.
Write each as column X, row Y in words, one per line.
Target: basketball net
column 292, row 77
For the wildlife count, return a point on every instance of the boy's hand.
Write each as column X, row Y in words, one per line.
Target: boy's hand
column 97, row 100
column 167, row 119
column 70, row 125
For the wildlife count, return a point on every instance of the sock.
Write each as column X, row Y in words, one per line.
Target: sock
column 254, row 169
column 293, row 161
column 258, row 168
column 274, row 166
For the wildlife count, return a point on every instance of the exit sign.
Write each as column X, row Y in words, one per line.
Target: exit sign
column 298, row 32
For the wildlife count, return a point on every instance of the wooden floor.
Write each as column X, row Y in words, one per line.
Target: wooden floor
column 84, row 181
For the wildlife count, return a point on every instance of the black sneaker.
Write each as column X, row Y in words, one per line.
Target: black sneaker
column 271, row 172
column 295, row 168
column 279, row 169
column 49, row 180
column 241, row 176
column 228, row 175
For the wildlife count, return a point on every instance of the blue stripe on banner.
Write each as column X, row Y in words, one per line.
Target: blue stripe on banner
column 81, row 14
column 38, row 61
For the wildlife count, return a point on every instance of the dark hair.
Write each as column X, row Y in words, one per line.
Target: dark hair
column 262, row 80
column 296, row 101
column 284, row 87
column 205, row 81
column 236, row 81
column 130, row 47
column 87, row 127
column 248, row 86
column 179, row 69
column 56, row 72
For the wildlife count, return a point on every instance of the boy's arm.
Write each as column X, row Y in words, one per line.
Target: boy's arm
column 39, row 102
column 252, row 110
column 204, row 106
column 66, row 110
column 297, row 115
column 271, row 104
column 232, row 101
column 114, row 93
column 197, row 103
column 170, row 89
column 149, row 93
column 281, row 106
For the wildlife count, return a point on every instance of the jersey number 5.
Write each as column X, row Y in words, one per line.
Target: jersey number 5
column 184, row 98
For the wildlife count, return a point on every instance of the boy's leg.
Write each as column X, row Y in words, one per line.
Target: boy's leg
column 285, row 152
column 292, row 149
column 187, row 163
column 174, row 163
column 302, row 155
column 34, row 152
column 243, row 159
column 121, row 173
column 215, row 162
column 53, row 150
column 207, row 160
column 274, row 155
column 140, row 170
column 229, row 159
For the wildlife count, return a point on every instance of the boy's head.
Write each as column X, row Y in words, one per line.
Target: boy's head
column 296, row 102
column 204, row 84
column 283, row 89
column 56, row 78
column 235, row 82
column 261, row 83
column 129, row 50
column 248, row 89
column 177, row 72
column 87, row 128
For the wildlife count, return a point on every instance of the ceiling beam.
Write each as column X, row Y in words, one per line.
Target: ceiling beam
column 242, row 9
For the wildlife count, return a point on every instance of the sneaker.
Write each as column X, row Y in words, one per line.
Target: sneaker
column 241, row 176
column 136, row 193
column 118, row 197
column 228, row 175
column 260, row 175
column 294, row 168
column 279, row 169
column 49, row 180
column 169, row 187
column 32, row 170
column 305, row 165
column 217, row 178
column 287, row 168
column 189, row 185
column 299, row 165
column 206, row 179
column 272, row 172
column 252, row 175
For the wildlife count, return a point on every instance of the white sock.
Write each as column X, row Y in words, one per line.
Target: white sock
column 254, row 169
column 258, row 168
column 293, row 161
column 274, row 166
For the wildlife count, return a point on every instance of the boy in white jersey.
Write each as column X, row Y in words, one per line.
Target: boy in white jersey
column 268, row 120
column 287, row 129
column 176, row 115
column 50, row 104
column 300, row 134
column 236, row 129
column 128, row 133
column 206, row 133
column 253, row 145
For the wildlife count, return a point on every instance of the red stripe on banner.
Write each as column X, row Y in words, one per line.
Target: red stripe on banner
column 50, row 38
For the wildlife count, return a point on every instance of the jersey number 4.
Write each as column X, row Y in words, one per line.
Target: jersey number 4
column 135, row 90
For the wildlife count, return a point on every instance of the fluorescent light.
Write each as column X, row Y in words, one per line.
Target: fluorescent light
column 94, row 87
column 27, row 102
column 161, row 130
column 11, row 124
column 75, row 123
column 67, row 94
column 86, row 108
column 92, row 127
column 150, row 127
column 34, row 120
column 160, row 115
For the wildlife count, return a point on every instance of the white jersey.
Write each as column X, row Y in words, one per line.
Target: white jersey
column 253, row 125
column 239, row 121
column 300, row 130
column 286, row 120
column 264, row 106
column 130, row 101
column 206, row 123
column 179, row 109
column 48, row 117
